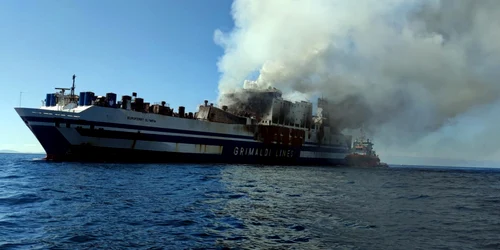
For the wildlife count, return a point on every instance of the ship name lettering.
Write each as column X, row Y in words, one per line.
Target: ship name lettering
column 284, row 153
column 263, row 152
column 140, row 119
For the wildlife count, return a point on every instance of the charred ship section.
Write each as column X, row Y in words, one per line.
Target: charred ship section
column 255, row 126
column 251, row 102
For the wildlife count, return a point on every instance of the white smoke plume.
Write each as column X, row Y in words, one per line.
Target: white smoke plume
column 402, row 69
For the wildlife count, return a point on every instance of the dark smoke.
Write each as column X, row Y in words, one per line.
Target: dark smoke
column 403, row 70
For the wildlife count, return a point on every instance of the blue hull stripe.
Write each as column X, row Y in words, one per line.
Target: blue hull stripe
column 57, row 148
column 52, row 141
column 191, row 140
column 146, row 128
column 127, row 155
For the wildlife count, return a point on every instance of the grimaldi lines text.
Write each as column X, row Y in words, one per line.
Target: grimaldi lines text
column 263, row 152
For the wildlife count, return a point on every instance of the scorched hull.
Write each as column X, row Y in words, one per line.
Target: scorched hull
column 100, row 134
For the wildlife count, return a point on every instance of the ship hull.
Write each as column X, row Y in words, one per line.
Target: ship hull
column 119, row 155
column 364, row 161
column 114, row 135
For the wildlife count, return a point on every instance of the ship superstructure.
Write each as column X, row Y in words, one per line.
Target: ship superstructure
column 363, row 146
column 268, row 130
column 362, row 153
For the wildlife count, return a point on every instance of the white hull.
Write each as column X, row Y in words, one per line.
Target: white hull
column 93, row 129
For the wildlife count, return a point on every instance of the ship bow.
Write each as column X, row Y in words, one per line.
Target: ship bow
column 43, row 128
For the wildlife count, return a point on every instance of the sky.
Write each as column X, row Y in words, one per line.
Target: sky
column 161, row 49
column 164, row 50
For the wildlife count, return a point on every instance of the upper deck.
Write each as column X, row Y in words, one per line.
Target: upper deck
column 252, row 112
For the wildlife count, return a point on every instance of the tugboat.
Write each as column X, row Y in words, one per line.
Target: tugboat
column 362, row 154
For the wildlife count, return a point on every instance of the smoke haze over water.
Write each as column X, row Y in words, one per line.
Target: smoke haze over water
column 414, row 72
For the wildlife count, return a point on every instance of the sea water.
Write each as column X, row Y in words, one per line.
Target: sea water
column 47, row 205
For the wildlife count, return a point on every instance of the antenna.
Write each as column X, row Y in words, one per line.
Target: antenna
column 73, row 87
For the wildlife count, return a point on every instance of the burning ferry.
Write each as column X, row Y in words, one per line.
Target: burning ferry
column 265, row 129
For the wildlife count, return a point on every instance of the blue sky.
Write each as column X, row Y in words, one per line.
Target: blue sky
column 161, row 49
